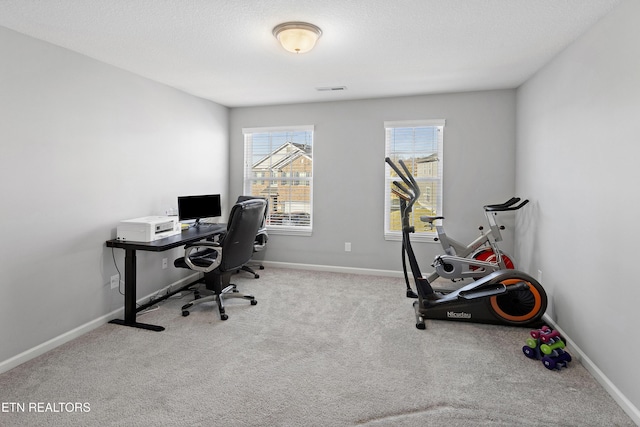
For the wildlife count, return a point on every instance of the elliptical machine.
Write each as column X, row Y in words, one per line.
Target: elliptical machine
column 505, row 297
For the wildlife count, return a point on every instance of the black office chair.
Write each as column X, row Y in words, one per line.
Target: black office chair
column 219, row 260
column 261, row 237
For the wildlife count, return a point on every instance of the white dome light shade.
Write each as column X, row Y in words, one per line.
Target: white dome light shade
column 297, row 37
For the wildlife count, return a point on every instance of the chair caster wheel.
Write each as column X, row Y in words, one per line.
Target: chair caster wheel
column 262, row 267
column 253, row 302
column 421, row 326
column 256, row 276
column 224, row 316
column 185, row 313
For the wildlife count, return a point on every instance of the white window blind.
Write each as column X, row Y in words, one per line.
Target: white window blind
column 278, row 165
column 419, row 143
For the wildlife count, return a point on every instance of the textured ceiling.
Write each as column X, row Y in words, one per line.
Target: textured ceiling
column 223, row 50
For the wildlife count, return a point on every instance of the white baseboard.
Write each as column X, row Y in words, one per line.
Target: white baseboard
column 38, row 350
column 333, row 269
column 601, row 378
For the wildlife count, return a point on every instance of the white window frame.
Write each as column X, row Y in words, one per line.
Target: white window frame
column 296, row 230
column 422, row 234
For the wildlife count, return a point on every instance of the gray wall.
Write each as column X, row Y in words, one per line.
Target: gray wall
column 348, row 193
column 84, row 145
column 577, row 158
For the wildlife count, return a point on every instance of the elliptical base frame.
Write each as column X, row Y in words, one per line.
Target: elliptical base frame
column 522, row 305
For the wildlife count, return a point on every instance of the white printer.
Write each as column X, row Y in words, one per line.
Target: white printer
column 148, row 228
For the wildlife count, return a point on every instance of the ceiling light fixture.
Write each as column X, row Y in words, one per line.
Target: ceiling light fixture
column 297, row 37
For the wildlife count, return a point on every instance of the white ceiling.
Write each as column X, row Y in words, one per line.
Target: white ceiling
column 223, row 50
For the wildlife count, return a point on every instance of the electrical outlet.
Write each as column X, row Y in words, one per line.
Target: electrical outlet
column 347, row 246
column 164, row 263
column 115, row 281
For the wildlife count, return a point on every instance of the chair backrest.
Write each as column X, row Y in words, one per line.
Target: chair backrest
column 261, row 236
column 263, row 225
column 244, row 221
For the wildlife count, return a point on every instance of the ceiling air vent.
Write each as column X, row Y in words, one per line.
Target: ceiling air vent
column 331, row 88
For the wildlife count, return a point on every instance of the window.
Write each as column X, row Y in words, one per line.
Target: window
column 419, row 145
column 278, row 165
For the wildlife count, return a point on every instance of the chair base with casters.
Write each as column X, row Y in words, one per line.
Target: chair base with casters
column 220, row 293
column 250, row 269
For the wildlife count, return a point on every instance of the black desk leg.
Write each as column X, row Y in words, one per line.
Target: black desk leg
column 130, row 295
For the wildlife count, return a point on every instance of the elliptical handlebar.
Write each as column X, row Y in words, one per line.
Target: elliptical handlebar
column 404, row 192
column 413, row 191
column 408, row 192
column 506, row 206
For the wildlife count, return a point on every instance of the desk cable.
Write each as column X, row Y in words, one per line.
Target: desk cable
column 150, row 309
column 113, row 255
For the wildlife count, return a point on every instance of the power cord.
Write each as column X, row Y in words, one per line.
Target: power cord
column 113, row 255
column 156, row 295
column 149, row 310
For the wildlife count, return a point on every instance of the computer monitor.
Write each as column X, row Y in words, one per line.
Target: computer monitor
column 198, row 207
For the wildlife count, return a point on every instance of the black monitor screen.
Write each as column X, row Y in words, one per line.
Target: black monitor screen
column 196, row 207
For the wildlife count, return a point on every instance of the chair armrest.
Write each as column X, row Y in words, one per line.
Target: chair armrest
column 197, row 245
column 260, row 241
column 202, row 243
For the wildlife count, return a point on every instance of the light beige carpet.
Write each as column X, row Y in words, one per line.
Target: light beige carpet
column 319, row 349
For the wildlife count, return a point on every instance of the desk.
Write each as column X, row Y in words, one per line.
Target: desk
column 187, row 236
